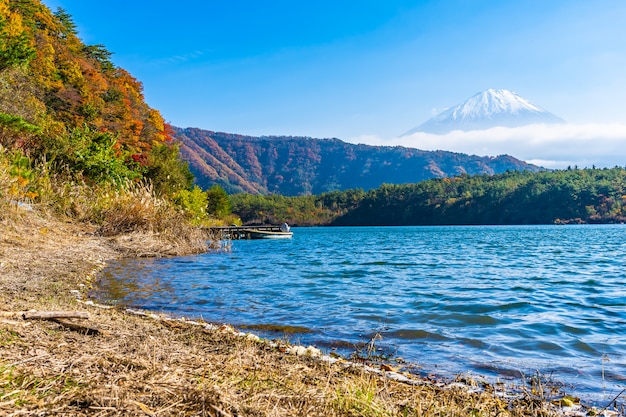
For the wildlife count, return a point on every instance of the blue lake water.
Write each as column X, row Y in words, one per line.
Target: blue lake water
column 498, row 302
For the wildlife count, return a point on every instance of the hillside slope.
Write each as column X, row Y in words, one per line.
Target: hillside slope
column 301, row 166
column 79, row 143
column 52, row 80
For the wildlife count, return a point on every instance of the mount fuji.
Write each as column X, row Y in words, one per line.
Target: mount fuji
column 491, row 108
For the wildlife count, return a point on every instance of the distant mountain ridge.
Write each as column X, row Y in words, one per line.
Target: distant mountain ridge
column 289, row 165
column 485, row 110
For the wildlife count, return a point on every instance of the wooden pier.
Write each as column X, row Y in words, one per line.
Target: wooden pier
column 253, row 232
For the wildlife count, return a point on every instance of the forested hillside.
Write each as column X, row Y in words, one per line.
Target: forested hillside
column 289, row 165
column 76, row 136
column 50, row 79
column 567, row 196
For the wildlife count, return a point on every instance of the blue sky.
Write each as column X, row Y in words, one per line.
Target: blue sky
column 367, row 71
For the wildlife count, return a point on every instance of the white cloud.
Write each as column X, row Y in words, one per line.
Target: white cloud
column 550, row 146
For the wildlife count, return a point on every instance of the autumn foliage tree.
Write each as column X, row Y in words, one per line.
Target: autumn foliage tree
column 64, row 89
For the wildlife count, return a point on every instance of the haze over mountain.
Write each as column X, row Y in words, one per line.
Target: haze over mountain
column 300, row 165
column 486, row 110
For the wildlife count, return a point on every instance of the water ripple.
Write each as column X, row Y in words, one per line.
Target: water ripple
column 500, row 301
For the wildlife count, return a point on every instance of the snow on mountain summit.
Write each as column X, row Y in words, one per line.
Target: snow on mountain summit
column 492, row 102
column 490, row 108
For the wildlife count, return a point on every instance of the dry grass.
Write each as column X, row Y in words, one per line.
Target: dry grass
column 140, row 366
column 131, row 215
column 142, row 224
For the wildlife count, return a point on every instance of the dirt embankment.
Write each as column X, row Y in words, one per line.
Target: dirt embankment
column 116, row 363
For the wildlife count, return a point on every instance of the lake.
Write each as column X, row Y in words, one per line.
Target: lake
column 495, row 301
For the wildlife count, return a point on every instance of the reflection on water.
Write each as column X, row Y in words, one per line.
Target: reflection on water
column 492, row 300
column 140, row 281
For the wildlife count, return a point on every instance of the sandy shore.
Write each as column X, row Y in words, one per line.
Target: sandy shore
column 118, row 363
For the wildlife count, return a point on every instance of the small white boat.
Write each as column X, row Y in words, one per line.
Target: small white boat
column 255, row 232
column 265, row 234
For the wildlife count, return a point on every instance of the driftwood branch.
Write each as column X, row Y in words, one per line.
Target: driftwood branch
column 58, row 317
column 90, row 331
column 50, row 315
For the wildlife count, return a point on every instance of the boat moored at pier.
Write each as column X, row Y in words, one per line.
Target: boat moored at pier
column 255, row 232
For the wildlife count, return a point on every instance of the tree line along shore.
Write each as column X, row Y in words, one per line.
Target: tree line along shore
column 570, row 196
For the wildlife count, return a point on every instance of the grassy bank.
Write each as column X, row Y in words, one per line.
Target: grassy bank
column 118, row 363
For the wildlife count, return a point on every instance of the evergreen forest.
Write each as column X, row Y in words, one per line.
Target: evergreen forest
column 515, row 197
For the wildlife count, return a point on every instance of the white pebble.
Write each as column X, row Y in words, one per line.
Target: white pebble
column 253, row 337
column 297, row 350
column 313, row 352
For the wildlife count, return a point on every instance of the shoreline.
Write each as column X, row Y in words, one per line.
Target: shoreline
column 146, row 364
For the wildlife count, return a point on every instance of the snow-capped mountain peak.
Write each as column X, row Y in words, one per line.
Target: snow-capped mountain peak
column 490, row 108
column 492, row 102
